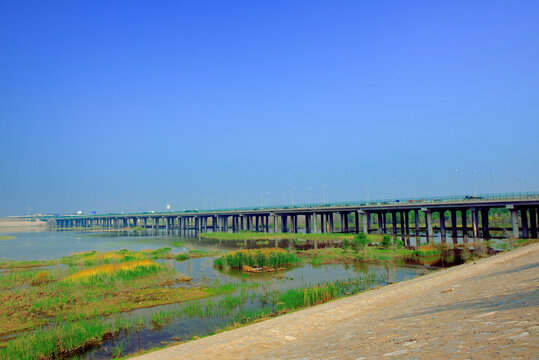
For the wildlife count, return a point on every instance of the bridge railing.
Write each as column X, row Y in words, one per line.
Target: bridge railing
column 393, row 201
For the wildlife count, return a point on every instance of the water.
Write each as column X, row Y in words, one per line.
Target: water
column 53, row 245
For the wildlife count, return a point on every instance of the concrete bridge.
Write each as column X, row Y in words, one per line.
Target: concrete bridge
column 468, row 216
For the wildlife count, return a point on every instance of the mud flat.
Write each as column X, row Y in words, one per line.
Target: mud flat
column 485, row 309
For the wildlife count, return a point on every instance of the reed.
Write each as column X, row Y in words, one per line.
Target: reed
column 270, row 257
column 61, row 339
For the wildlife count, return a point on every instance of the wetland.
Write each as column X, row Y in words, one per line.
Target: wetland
column 102, row 295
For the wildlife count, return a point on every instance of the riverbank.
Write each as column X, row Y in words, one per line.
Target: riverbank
column 9, row 225
column 484, row 309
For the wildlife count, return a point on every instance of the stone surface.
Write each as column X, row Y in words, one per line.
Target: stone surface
column 491, row 312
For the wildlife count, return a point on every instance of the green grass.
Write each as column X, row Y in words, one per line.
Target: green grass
column 6, row 237
column 61, row 340
column 249, row 235
column 90, row 284
column 182, row 257
column 425, row 255
column 270, row 257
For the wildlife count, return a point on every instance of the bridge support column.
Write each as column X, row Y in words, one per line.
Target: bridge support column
column 380, row 224
column 428, row 220
column 524, row 219
column 442, row 224
column 365, row 219
column 384, row 222
column 356, row 220
column 464, row 224
column 315, row 223
column 453, row 223
column 307, row 223
column 533, row 223
column 406, row 222
column 330, row 218
column 284, row 227
column 394, row 222
column 401, row 215
column 475, row 221
column 322, row 223
column 484, row 220
column 344, row 222
column 416, row 223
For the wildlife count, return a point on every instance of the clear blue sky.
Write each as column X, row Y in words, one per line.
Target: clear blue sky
column 130, row 105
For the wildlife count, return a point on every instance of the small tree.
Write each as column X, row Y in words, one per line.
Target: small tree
column 345, row 245
column 361, row 242
column 386, row 241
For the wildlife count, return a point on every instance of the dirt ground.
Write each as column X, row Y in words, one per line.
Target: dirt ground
column 481, row 310
column 17, row 225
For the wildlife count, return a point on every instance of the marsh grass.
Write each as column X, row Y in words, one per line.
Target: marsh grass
column 126, row 271
column 62, row 339
column 270, row 257
column 424, row 255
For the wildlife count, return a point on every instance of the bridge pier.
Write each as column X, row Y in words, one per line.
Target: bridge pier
column 533, row 223
column 307, row 223
column 406, row 223
column 442, row 224
column 475, row 220
column 394, row 222
column 484, row 220
column 464, row 224
column 283, row 223
column 453, row 223
column 323, row 223
column 428, row 221
column 524, row 220
column 401, row 221
column 380, row 224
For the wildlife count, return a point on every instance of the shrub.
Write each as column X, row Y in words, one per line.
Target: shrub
column 386, row 241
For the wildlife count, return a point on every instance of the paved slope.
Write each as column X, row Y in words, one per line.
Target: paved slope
column 478, row 311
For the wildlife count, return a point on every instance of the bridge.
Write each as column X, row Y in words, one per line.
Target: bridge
column 468, row 216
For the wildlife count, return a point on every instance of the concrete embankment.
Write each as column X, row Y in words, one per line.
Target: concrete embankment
column 482, row 310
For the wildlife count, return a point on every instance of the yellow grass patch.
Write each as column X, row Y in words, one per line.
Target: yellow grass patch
column 110, row 269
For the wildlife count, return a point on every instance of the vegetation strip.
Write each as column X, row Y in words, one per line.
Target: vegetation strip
column 250, row 235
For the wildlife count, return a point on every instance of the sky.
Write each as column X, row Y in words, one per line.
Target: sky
column 127, row 106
